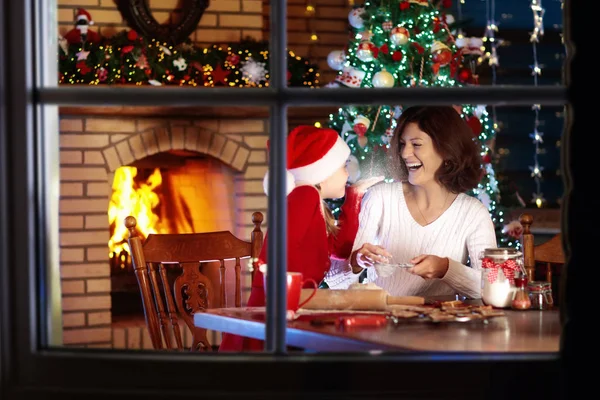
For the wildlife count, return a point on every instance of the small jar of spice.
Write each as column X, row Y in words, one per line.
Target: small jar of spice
column 540, row 294
column 521, row 300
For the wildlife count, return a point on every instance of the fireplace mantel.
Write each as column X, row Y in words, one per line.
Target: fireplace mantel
column 296, row 115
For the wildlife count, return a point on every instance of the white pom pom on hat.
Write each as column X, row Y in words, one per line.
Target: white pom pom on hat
column 290, row 183
column 313, row 155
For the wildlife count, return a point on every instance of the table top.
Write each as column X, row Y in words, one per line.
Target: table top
column 529, row 331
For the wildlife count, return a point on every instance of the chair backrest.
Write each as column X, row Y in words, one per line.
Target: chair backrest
column 543, row 260
column 154, row 262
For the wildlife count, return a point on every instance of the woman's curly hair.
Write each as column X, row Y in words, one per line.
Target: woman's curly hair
column 452, row 138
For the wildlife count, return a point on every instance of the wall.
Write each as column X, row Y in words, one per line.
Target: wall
column 329, row 22
column 224, row 21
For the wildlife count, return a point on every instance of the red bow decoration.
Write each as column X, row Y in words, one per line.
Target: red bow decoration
column 508, row 269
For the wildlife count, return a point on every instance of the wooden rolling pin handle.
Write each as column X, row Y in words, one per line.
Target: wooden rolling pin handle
column 405, row 300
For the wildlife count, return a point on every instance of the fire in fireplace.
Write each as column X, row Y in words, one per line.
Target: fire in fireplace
column 174, row 192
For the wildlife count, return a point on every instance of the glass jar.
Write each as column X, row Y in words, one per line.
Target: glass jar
column 540, row 294
column 498, row 268
column 521, row 300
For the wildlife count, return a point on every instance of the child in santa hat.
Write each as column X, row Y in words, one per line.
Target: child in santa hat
column 316, row 170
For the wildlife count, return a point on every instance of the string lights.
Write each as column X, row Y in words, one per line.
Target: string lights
column 536, row 70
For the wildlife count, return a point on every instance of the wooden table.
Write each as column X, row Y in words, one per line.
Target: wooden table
column 517, row 332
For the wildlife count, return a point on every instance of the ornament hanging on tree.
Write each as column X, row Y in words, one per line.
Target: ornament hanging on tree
column 441, row 53
column 465, row 75
column 399, row 35
column 351, row 77
column 383, row 79
column 353, row 168
column 387, row 26
column 475, row 125
column 362, row 141
column 365, row 51
column 355, row 18
column 336, row 59
column 423, row 3
column 361, row 125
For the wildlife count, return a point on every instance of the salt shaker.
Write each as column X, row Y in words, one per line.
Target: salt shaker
column 499, row 266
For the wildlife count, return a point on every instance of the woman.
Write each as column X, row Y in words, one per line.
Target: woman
column 425, row 218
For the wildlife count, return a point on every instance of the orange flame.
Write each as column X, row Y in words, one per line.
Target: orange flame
column 140, row 202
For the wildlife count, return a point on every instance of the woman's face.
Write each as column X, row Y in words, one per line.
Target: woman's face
column 420, row 156
column 334, row 187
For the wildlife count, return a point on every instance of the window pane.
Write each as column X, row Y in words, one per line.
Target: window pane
column 520, row 151
column 170, row 43
column 448, row 43
column 175, row 170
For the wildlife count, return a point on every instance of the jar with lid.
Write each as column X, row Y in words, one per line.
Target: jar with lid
column 498, row 268
column 540, row 294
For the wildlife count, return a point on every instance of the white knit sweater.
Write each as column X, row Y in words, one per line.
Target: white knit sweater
column 461, row 233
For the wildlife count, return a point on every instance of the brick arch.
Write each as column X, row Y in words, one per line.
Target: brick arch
column 177, row 137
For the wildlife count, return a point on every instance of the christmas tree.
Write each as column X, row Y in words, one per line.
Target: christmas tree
column 408, row 43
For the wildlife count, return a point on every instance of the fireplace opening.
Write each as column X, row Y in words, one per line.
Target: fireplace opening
column 170, row 192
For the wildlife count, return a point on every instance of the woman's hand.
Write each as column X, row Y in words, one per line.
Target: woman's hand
column 368, row 255
column 428, row 266
column 363, row 185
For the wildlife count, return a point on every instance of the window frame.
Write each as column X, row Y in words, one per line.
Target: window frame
column 29, row 203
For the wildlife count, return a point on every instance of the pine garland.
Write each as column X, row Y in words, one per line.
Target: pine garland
column 128, row 58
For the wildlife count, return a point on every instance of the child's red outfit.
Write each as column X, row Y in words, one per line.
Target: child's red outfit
column 314, row 155
column 309, row 249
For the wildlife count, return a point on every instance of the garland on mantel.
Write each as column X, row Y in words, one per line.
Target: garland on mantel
column 128, row 58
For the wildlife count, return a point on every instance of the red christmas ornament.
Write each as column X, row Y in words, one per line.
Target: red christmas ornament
column 397, row 56
column 475, row 125
column 405, row 5
column 233, row 59
column 464, row 75
column 446, row 3
column 442, row 57
column 360, row 129
column 127, row 49
column 486, row 159
column 132, row 35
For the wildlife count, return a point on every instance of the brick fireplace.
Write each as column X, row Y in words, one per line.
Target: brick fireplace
column 225, row 155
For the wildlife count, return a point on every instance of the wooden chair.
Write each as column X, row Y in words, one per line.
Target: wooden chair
column 545, row 260
column 161, row 255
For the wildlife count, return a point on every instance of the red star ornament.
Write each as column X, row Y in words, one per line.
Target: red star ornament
column 219, row 75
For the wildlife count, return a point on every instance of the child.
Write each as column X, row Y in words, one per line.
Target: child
column 316, row 170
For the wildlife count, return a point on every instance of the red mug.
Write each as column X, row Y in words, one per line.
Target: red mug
column 294, row 288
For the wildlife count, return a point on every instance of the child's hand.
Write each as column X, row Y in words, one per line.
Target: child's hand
column 364, row 184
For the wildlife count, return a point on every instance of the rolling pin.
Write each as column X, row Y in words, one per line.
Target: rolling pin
column 335, row 299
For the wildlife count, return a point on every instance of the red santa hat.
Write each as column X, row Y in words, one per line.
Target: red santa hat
column 313, row 155
column 84, row 15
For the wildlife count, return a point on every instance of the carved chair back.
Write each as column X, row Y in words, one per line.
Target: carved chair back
column 165, row 299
